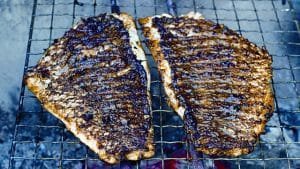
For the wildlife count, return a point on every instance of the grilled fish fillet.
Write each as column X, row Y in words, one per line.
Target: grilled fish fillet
column 215, row 79
column 96, row 81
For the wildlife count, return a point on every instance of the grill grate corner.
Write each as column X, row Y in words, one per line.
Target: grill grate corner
column 41, row 141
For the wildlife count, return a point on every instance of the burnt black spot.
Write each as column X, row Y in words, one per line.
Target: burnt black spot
column 55, row 40
column 237, row 107
column 87, row 116
column 45, row 73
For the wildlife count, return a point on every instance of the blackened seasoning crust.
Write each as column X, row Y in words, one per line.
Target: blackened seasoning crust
column 94, row 80
column 215, row 79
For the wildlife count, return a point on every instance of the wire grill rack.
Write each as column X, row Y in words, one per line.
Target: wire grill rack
column 41, row 141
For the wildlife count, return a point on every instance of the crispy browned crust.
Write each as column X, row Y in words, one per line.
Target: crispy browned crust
column 173, row 101
column 163, row 67
column 37, row 85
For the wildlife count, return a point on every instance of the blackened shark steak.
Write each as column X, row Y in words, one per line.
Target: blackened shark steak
column 215, row 79
column 96, row 81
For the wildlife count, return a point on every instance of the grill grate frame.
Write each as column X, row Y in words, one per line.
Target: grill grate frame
column 251, row 18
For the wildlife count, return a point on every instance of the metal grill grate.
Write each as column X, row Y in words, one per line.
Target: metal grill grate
column 41, row 141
